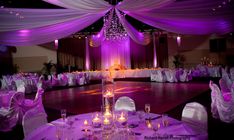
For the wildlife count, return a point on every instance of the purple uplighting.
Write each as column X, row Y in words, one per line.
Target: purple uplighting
column 56, row 44
column 115, row 52
column 178, row 40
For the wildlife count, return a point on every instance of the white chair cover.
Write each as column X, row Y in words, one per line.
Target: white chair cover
column 214, row 94
column 10, row 117
column 183, row 75
column 21, row 88
column 63, row 80
column 32, row 120
column 202, row 70
column 80, row 79
column 224, row 85
column 170, row 75
column 55, row 81
column 225, row 107
column 232, row 73
column 71, row 79
column 36, row 103
column 125, row 103
column 158, row 76
column 195, row 115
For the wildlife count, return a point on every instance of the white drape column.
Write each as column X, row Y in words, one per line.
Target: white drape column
column 87, row 59
column 155, row 53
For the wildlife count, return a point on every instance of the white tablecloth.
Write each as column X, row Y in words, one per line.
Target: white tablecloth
column 175, row 130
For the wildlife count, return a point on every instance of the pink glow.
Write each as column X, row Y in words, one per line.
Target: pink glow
column 178, row 39
column 56, row 44
column 87, row 59
column 115, row 52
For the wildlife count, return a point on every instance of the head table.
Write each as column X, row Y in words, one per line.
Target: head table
column 137, row 129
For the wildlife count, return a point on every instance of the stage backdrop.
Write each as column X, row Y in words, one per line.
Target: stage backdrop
column 72, row 51
column 115, row 52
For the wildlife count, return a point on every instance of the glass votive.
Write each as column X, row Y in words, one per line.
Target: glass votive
column 165, row 121
column 107, row 113
column 149, row 124
column 96, row 120
column 63, row 114
column 141, row 116
column 121, row 119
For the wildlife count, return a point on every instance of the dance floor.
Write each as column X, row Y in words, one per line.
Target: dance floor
column 162, row 96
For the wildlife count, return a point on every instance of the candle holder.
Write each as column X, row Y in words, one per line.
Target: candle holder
column 122, row 119
column 97, row 123
column 107, row 126
column 108, row 98
column 96, row 120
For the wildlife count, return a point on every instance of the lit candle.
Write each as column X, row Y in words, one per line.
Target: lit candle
column 122, row 118
column 106, row 121
column 107, row 113
column 85, row 122
column 149, row 125
column 96, row 119
column 109, row 94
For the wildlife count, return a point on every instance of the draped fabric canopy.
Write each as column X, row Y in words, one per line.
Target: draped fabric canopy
column 25, row 27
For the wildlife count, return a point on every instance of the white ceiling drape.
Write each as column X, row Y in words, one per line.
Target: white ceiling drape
column 24, row 27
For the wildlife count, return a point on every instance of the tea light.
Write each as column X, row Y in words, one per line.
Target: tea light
column 85, row 122
column 149, row 125
column 106, row 121
column 109, row 94
column 96, row 119
column 107, row 113
column 122, row 118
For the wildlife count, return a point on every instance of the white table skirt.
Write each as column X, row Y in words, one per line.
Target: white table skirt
column 175, row 129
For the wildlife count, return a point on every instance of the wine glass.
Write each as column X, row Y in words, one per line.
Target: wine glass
column 165, row 121
column 147, row 110
column 141, row 116
column 63, row 114
column 156, row 126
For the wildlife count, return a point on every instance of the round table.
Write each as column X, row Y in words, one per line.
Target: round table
column 74, row 129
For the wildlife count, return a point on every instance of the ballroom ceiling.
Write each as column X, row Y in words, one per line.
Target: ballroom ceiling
column 96, row 27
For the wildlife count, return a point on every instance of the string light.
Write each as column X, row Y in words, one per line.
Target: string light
column 113, row 29
column 221, row 5
column 17, row 14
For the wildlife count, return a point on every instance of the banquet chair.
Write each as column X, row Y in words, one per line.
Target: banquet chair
column 214, row 94
column 71, row 79
column 125, row 103
column 225, row 107
column 195, row 115
column 36, row 103
column 225, row 89
column 9, row 117
column 33, row 119
column 170, row 75
column 183, row 77
column 232, row 73
column 21, row 88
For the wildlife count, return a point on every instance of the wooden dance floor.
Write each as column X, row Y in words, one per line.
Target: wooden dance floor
column 161, row 96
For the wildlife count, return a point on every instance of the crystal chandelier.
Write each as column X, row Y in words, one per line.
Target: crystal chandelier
column 113, row 29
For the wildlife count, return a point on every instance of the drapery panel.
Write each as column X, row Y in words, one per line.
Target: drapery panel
column 140, row 38
column 142, row 5
column 115, row 52
column 47, row 33
column 26, row 27
column 32, row 18
column 89, row 6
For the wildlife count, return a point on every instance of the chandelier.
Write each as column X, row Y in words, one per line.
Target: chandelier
column 113, row 29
